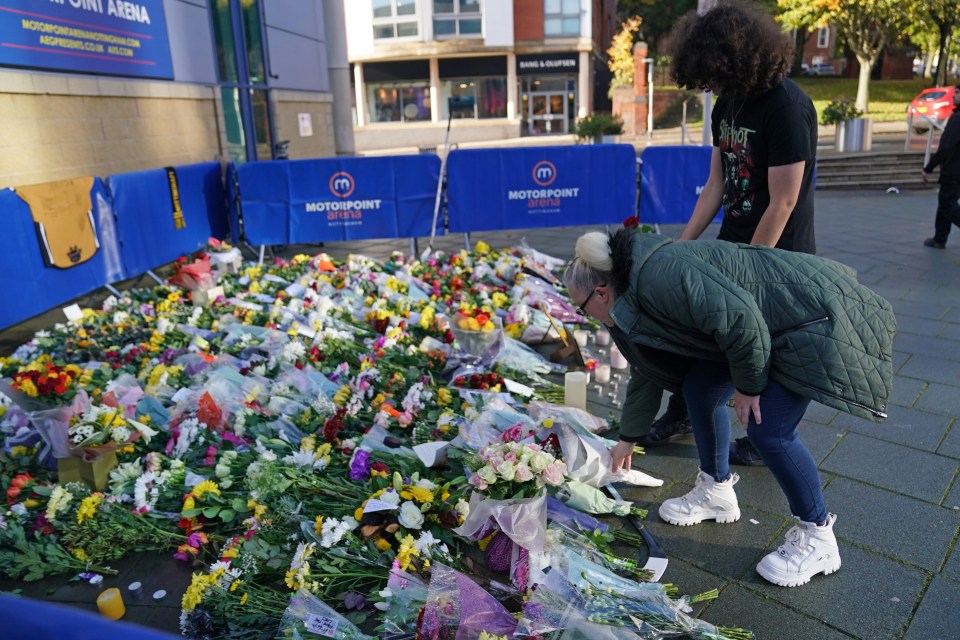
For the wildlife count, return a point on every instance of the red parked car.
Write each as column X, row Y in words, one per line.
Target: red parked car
column 935, row 103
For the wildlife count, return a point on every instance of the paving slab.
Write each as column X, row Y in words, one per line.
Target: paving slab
column 892, row 466
column 866, row 515
column 925, row 367
column 917, row 429
column 906, row 390
column 938, row 613
column 767, row 618
column 870, row 597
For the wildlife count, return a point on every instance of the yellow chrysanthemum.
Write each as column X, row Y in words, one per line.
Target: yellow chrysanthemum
column 382, row 544
column 407, row 551
column 189, row 503
column 421, row 495
column 308, row 443
column 28, row 387
column 207, row 486
column 243, row 599
column 444, row 396
column 80, row 554
column 88, row 507
column 231, row 553
column 318, row 525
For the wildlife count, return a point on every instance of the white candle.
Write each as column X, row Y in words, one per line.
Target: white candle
column 617, row 361
column 575, row 389
column 581, row 337
column 602, row 373
column 603, row 337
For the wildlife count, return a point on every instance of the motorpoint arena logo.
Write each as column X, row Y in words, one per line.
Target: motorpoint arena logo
column 544, row 173
column 342, row 184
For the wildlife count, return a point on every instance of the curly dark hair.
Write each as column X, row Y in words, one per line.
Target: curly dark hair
column 733, row 50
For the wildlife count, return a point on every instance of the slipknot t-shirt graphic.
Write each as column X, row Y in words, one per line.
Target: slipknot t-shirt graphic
column 774, row 129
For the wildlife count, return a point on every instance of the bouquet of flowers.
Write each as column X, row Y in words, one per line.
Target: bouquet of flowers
column 477, row 331
column 515, row 470
column 46, row 382
column 101, row 429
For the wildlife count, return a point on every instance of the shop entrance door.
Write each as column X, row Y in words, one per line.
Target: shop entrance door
column 547, row 113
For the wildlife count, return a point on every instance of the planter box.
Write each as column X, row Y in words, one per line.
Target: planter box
column 854, row 135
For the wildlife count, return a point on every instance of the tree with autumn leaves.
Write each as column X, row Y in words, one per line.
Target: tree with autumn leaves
column 867, row 26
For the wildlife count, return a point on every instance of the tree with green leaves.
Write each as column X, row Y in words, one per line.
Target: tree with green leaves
column 866, row 26
column 941, row 17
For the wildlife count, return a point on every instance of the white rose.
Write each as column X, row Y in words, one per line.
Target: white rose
column 410, row 515
column 463, row 508
column 507, row 470
column 487, row 474
column 539, row 461
column 390, row 497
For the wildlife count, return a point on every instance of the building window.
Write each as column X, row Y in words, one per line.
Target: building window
column 394, row 19
column 561, row 17
column 399, row 101
column 456, row 18
column 823, row 38
column 474, row 98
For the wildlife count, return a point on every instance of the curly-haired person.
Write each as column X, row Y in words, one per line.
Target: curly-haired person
column 764, row 149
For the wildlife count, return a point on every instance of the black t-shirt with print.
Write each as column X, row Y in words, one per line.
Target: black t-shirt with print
column 774, row 129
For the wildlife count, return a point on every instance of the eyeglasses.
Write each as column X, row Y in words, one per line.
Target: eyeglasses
column 582, row 309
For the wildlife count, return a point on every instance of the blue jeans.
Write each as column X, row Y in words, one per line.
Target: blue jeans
column 707, row 388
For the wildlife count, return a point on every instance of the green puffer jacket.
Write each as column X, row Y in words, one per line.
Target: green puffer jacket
column 801, row 320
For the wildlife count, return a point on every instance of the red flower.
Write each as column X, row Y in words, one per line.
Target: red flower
column 631, row 223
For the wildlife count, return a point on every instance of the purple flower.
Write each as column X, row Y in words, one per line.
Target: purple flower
column 360, row 465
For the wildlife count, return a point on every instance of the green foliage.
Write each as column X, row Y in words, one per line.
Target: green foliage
column 658, row 17
column 839, row 111
column 598, row 124
column 888, row 98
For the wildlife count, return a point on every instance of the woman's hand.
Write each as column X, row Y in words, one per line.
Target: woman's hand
column 744, row 405
column 622, row 454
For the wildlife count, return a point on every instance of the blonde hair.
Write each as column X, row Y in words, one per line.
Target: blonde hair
column 593, row 248
column 592, row 262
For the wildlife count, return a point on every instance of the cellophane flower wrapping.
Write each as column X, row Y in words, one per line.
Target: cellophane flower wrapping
column 407, row 595
column 194, row 276
column 485, row 341
column 459, row 609
column 308, row 617
column 523, row 520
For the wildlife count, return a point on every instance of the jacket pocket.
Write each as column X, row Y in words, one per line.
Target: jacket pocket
column 802, row 325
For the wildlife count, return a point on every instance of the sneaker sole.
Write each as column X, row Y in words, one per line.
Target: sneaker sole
column 798, row 581
column 721, row 518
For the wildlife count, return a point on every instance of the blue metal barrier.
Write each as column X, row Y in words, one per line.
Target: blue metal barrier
column 671, row 179
column 491, row 189
column 303, row 201
column 163, row 214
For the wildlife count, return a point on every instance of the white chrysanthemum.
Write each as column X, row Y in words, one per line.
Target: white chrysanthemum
column 424, row 543
column 293, row 351
column 146, row 491
column 164, row 325
column 59, row 499
column 120, row 434
column 120, row 317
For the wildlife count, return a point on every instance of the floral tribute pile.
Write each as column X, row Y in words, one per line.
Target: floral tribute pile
column 317, row 443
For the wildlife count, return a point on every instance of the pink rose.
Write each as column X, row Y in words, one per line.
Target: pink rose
column 512, row 434
column 554, row 473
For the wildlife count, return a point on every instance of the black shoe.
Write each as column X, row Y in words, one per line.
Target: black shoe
column 742, row 452
column 674, row 424
column 932, row 242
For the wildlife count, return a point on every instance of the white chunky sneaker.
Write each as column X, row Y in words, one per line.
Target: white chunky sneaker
column 709, row 500
column 810, row 549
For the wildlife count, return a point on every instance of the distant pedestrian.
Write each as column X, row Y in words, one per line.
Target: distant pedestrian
column 947, row 158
